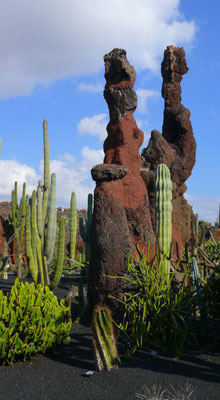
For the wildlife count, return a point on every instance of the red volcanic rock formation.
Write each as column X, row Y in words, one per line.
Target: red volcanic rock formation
column 121, row 215
column 176, row 147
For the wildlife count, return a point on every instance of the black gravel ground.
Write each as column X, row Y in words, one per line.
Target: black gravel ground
column 62, row 375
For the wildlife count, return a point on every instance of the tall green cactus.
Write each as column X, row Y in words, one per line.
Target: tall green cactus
column 17, row 219
column 46, row 186
column 103, row 339
column 163, row 211
column 85, row 229
column 73, row 225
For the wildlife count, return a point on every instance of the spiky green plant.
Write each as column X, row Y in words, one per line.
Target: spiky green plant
column 31, row 321
column 103, row 339
column 163, row 211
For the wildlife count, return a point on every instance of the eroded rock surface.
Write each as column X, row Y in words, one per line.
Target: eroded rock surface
column 176, row 147
column 121, row 216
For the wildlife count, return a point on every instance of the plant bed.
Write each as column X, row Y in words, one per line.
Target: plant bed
column 62, row 373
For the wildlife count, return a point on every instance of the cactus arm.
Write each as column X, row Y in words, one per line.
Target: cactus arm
column 163, row 211
column 31, row 262
column 50, row 237
column 73, row 225
column 60, row 259
column 46, row 171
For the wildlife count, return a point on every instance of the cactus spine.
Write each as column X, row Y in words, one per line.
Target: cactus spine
column 73, row 225
column 103, row 339
column 163, row 211
column 85, row 229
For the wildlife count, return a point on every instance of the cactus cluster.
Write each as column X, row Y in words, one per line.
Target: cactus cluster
column 41, row 224
column 163, row 211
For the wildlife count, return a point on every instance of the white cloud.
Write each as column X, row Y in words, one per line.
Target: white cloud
column 85, row 87
column 12, row 171
column 49, row 40
column 143, row 95
column 95, row 125
column 207, row 207
column 67, row 157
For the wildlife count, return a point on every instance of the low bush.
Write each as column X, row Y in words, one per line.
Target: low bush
column 31, row 321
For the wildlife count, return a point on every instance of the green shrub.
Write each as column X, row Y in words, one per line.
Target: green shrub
column 159, row 311
column 31, row 321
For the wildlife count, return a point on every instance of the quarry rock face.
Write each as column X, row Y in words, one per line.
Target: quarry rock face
column 121, row 216
column 176, row 147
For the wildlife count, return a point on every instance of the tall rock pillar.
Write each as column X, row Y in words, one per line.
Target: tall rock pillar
column 175, row 147
column 121, row 216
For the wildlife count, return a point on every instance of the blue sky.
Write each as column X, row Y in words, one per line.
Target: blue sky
column 52, row 68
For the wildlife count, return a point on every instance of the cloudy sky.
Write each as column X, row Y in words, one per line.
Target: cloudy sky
column 52, row 68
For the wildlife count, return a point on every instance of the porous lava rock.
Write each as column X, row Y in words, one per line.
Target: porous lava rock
column 175, row 147
column 121, row 215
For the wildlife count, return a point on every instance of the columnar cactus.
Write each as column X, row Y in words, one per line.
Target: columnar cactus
column 163, row 211
column 46, row 186
column 85, row 229
column 73, row 225
column 17, row 218
column 51, row 223
column 103, row 339
column 60, row 257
